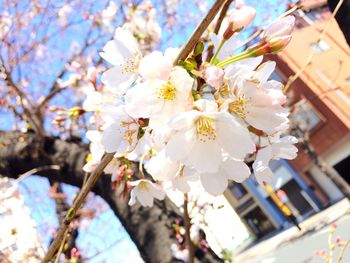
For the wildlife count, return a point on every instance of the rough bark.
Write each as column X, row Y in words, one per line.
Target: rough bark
column 342, row 17
column 149, row 228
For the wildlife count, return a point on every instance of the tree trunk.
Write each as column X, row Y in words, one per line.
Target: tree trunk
column 149, row 228
column 342, row 17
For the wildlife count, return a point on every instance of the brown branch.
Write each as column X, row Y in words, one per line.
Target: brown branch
column 187, row 223
column 217, row 27
column 36, row 170
column 76, row 205
column 203, row 25
column 342, row 251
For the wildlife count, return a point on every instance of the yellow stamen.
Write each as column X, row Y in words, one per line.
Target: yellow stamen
column 167, row 91
column 130, row 65
column 143, row 186
column 129, row 136
column 205, row 129
column 89, row 158
column 238, row 106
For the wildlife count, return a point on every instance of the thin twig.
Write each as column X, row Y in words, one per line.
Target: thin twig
column 203, row 25
column 61, row 246
column 76, row 205
column 36, row 170
column 342, row 251
column 217, row 27
column 187, row 223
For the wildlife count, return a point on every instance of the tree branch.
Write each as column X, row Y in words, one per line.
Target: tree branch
column 76, row 205
column 203, row 25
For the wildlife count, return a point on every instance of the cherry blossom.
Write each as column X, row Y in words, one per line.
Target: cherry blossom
column 280, row 148
column 160, row 100
column 241, row 17
column 203, row 136
column 124, row 54
column 145, row 191
column 195, row 124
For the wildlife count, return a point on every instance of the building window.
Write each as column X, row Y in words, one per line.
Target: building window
column 347, row 80
column 238, row 190
column 305, row 115
column 313, row 16
column 276, row 76
column 320, row 46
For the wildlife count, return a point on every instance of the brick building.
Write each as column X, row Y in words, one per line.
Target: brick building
column 321, row 99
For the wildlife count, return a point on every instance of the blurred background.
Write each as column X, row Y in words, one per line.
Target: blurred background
column 48, row 60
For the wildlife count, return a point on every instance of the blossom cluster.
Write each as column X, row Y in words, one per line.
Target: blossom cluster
column 190, row 121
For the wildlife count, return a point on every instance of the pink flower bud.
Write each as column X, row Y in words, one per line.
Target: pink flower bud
column 214, row 76
column 241, row 17
column 337, row 239
column 278, row 34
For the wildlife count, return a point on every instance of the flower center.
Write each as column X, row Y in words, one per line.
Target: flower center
column 238, row 106
column 205, row 129
column 167, row 91
column 129, row 133
column 143, row 186
column 130, row 65
column 89, row 158
column 128, row 136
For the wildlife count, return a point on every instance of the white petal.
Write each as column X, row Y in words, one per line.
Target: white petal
column 233, row 137
column 265, row 70
column 204, row 157
column 161, row 168
column 182, row 81
column 184, row 120
column 141, row 100
column 214, row 183
column 157, row 191
column 236, row 170
column 180, row 145
column 133, row 194
column 112, row 137
column 118, row 81
column 145, row 198
column 94, row 136
column 155, row 66
column 267, row 118
column 262, row 173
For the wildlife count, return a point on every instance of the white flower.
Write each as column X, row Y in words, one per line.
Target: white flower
column 142, row 148
column 239, row 72
column 257, row 106
column 200, row 138
column 182, row 182
column 279, row 33
column 123, row 53
column 145, row 191
column 230, row 169
column 121, row 135
column 241, row 17
column 96, row 100
column 281, row 148
column 160, row 100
